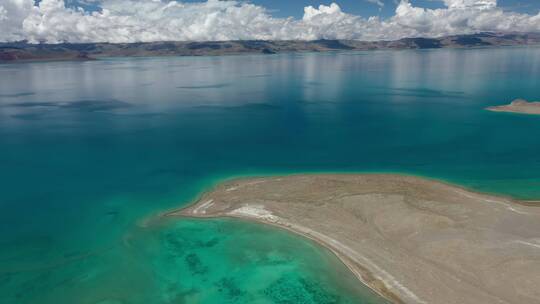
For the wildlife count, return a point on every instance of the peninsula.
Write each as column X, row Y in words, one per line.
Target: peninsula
column 410, row 239
column 23, row 51
column 519, row 106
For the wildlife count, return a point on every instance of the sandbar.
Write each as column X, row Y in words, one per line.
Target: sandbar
column 518, row 106
column 410, row 239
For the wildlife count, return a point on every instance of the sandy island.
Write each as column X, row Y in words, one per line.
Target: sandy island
column 518, row 106
column 411, row 240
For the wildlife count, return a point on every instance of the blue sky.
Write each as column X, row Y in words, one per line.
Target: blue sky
column 295, row 8
column 286, row 8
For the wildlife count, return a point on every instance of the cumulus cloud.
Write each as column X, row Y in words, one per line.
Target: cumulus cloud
column 164, row 20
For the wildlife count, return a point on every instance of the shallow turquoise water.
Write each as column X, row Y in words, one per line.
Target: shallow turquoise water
column 89, row 151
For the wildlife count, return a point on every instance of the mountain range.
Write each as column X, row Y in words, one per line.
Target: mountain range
column 23, row 51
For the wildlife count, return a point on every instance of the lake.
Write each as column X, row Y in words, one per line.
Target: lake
column 92, row 152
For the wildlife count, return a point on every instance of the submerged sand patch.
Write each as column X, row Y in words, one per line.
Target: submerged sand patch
column 410, row 239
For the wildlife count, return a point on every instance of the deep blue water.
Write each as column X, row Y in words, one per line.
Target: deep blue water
column 90, row 150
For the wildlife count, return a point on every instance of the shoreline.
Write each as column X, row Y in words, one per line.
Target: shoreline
column 518, row 106
column 382, row 282
column 361, row 273
column 218, row 180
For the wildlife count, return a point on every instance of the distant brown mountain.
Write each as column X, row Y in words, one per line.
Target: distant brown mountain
column 22, row 51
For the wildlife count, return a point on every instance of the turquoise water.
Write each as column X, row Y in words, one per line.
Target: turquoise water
column 90, row 151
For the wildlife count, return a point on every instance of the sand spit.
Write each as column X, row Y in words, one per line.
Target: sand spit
column 411, row 240
column 518, row 106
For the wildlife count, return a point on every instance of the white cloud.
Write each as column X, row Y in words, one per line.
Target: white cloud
column 480, row 4
column 310, row 12
column 379, row 3
column 155, row 20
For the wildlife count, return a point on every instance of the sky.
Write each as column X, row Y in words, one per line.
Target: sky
column 364, row 8
column 295, row 8
column 56, row 21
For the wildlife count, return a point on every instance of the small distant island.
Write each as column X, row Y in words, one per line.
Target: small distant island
column 518, row 106
column 410, row 239
column 23, row 51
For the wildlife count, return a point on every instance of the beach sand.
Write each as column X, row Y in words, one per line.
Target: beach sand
column 411, row 240
column 518, row 106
